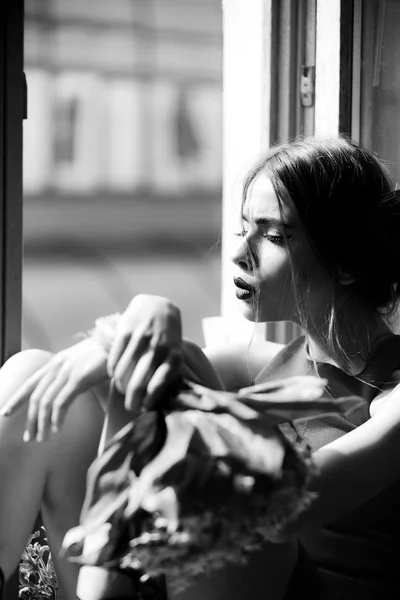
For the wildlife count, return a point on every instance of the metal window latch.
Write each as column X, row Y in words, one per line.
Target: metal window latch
column 307, row 85
column 25, row 97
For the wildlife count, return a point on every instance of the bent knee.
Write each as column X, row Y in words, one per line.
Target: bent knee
column 27, row 361
column 18, row 368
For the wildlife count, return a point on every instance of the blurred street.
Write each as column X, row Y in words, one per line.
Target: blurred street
column 116, row 223
column 84, row 260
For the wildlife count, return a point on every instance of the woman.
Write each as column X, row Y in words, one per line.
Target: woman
column 317, row 246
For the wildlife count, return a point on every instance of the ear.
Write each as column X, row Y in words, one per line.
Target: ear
column 345, row 278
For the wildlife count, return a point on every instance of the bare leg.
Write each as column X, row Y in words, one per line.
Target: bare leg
column 64, row 492
column 22, row 466
column 50, row 475
column 96, row 583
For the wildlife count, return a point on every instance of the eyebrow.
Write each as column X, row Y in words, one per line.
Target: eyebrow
column 268, row 221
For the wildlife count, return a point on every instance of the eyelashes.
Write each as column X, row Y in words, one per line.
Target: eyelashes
column 277, row 240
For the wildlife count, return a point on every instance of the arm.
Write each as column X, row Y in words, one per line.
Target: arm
column 143, row 351
column 238, row 365
column 139, row 348
column 353, row 469
column 150, row 334
column 198, row 367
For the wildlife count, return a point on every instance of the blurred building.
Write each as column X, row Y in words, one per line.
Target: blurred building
column 124, row 109
column 122, row 161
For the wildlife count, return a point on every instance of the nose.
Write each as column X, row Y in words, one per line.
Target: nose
column 242, row 255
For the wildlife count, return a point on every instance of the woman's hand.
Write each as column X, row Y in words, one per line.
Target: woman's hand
column 146, row 354
column 51, row 390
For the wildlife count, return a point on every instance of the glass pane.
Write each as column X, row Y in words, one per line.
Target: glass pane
column 122, row 161
column 380, row 77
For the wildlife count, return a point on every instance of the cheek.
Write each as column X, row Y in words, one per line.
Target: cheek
column 307, row 268
column 276, row 273
column 312, row 281
column 315, row 284
column 277, row 270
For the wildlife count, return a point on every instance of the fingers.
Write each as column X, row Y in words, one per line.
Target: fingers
column 135, row 349
column 61, row 404
column 52, row 388
column 23, row 394
column 117, row 349
column 50, row 395
column 142, row 367
column 145, row 363
column 39, row 410
column 47, row 411
column 164, row 375
column 137, row 387
column 39, row 390
column 149, row 378
column 47, row 403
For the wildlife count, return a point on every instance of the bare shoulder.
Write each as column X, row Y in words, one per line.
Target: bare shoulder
column 389, row 395
column 239, row 364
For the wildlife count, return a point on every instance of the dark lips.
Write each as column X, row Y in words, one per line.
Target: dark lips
column 241, row 283
column 244, row 290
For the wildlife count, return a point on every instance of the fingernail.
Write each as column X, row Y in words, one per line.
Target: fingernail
column 39, row 437
column 55, row 428
column 27, row 436
column 5, row 412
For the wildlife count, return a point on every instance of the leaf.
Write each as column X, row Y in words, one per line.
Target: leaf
column 211, row 475
column 297, row 382
column 211, row 401
column 281, row 400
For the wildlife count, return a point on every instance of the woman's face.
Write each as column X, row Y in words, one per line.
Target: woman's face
column 267, row 277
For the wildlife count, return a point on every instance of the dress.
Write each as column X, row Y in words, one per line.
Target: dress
column 358, row 555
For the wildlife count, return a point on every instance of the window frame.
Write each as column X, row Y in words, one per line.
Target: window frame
column 12, row 113
column 274, row 37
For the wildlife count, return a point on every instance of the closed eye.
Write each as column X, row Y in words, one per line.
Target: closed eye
column 278, row 240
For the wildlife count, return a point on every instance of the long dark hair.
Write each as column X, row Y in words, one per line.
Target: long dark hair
column 350, row 211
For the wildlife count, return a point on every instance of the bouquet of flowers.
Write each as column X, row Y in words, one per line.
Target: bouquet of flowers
column 203, row 482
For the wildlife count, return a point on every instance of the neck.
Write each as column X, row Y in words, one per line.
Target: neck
column 359, row 331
